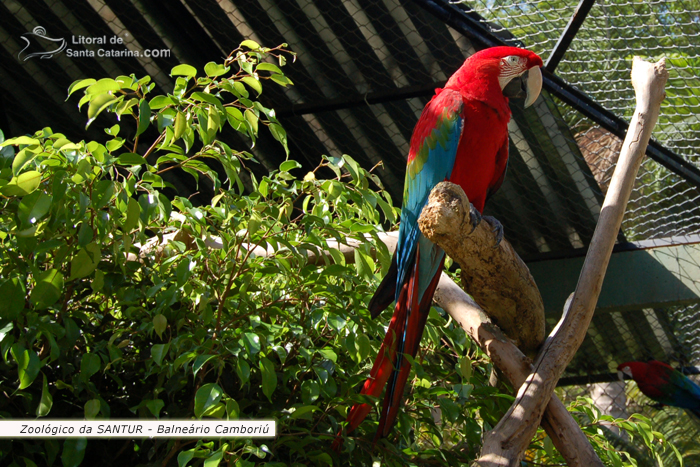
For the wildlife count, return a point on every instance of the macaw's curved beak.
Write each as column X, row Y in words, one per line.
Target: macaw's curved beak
column 528, row 86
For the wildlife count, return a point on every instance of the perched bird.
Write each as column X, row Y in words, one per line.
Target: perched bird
column 461, row 136
column 660, row 382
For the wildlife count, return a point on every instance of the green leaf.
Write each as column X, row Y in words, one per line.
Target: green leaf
column 465, row 367
column 155, row 406
column 158, row 351
column 80, row 84
column 22, row 158
column 85, row 234
column 281, row 80
column 252, row 120
column 48, row 289
column 250, row 44
column 268, row 67
column 85, row 261
column 364, row 264
column 279, row 134
column 160, row 322
column 215, row 69
column 214, row 459
column 105, row 85
column 46, row 401
column 286, row 166
column 28, row 365
column 269, row 377
column 73, row 451
column 13, row 298
column 184, row 457
column 243, row 371
column 89, row 365
column 23, row 184
column 200, row 361
column 159, row 102
column 450, row 410
column 207, row 396
column 253, row 83
column 363, row 346
column 310, row 391
column 98, row 104
column 252, row 343
column 98, row 282
column 91, row 409
column 234, row 117
column 233, row 411
column 329, row 354
column 133, row 212
column 19, row 140
column 304, row 411
column 208, row 98
column 184, row 70
column 130, row 158
column 180, row 125
column 144, row 116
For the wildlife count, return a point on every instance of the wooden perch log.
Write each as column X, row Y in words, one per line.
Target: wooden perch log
column 494, row 275
column 563, row 430
column 506, row 443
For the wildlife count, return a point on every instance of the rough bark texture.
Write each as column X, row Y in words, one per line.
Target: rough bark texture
column 565, row 433
column 494, row 275
column 506, row 443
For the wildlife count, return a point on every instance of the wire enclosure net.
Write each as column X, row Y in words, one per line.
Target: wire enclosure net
column 364, row 71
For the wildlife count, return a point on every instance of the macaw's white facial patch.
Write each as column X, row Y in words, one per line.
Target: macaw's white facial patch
column 511, row 67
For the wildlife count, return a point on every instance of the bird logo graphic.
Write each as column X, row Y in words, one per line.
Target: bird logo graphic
column 40, row 45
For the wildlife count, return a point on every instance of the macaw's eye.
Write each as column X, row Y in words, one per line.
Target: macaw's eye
column 511, row 60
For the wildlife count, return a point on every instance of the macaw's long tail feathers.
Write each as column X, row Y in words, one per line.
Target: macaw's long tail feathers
column 403, row 337
column 386, row 291
column 381, row 370
column 416, row 319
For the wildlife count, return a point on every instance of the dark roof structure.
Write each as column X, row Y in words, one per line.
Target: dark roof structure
column 364, row 71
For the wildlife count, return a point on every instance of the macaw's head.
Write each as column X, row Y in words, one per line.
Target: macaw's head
column 506, row 72
column 634, row 370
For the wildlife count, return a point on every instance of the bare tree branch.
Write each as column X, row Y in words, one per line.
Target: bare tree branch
column 506, row 443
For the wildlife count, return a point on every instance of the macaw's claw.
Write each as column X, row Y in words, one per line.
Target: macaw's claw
column 497, row 228
column 474, row 217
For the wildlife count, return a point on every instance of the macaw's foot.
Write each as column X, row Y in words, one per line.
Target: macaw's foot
column 497, row 228
column 474, row 217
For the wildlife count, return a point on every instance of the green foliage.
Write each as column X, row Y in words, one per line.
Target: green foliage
column 228, row 317
column 615, row 440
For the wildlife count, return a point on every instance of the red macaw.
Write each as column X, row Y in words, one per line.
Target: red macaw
column 461, row 136
column 660, row 382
